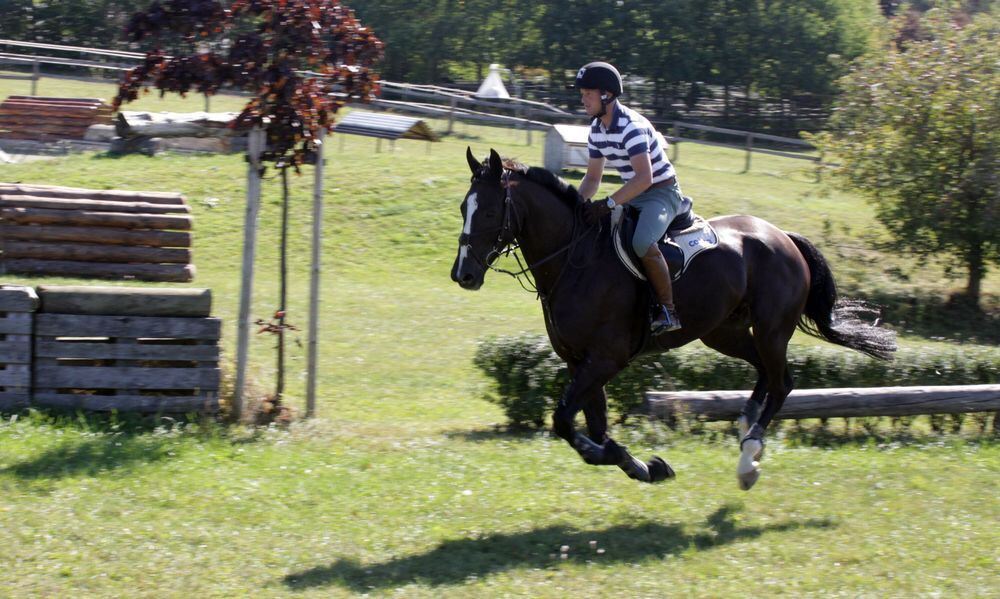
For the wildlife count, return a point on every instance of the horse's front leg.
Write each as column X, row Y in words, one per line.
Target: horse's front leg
column 584, row 392
column 596, row 447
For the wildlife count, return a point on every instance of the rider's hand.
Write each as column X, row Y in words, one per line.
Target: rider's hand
column 593, row 211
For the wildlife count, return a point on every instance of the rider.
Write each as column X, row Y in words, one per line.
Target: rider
column 639, row 153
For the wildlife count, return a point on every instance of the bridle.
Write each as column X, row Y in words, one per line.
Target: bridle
column 506, row 241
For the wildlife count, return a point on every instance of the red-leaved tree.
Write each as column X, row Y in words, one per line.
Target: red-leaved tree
column 301, row 60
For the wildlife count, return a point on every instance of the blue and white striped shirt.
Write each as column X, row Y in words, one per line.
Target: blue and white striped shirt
column 629, row 135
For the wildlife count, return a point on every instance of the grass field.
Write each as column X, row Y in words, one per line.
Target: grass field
column 407, row 485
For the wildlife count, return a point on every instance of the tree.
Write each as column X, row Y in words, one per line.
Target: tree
column 917, row 129
column 300, row 59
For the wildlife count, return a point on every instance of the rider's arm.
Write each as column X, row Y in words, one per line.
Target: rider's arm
column 639, row 183
column 592, row 180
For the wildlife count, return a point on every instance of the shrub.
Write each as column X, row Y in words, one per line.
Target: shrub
column 529, row 377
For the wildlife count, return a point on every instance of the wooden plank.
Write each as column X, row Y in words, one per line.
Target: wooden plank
column 30, row 201
column 16, row 323
column 205, row 402
column 48, row 376
column 832, row 403
column 49, row 348
column 124, row 301
column 163, row 327
column 15, row 349
column 90, row 252
column 14, row 400
column 87, row 218
column 15, row 375
column 110, row 195
column 176, row 273
column 101, row 235
column 18, row 298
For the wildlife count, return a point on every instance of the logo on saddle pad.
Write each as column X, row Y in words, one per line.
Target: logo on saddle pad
column 687, row 236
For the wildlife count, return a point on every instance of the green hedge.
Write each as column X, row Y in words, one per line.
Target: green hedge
column 529, row 378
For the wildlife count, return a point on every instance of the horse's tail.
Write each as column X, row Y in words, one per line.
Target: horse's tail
column 838, row 320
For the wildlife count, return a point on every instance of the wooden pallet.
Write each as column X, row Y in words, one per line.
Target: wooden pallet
column 126, row 363
column 17, row 307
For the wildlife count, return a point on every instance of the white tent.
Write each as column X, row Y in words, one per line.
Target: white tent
column 492, row 87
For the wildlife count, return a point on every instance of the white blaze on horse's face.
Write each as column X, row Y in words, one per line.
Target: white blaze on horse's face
column 470, row 208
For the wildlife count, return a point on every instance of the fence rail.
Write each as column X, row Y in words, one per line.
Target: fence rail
column 453, row 104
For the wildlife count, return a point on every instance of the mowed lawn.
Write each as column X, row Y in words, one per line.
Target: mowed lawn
column 406, row 484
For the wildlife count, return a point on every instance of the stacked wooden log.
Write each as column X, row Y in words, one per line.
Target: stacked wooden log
column 49, row 119
column 49, row 230
column 17, row 307
column 126, row 349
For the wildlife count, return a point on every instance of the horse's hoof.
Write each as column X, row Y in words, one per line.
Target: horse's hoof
column 659, row 470
column 748, row 468
column 635, row 470
column 748, row 479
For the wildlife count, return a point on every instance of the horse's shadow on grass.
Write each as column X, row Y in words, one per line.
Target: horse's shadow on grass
column 455, row 561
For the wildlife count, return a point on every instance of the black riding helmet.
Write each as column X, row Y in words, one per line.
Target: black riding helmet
column 599, row 75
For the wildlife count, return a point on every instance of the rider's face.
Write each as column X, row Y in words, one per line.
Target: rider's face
column 591, row 100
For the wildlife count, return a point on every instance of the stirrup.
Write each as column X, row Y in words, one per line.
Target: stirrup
column 666, row 320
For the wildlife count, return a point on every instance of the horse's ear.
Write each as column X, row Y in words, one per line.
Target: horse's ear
column 473, row 163
column 496, row 165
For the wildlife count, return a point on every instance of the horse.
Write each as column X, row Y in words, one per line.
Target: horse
column 744, row 299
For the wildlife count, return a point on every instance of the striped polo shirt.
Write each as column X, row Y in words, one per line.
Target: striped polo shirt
column 629, row 134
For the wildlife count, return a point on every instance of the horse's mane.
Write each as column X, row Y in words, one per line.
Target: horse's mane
column 547, row 179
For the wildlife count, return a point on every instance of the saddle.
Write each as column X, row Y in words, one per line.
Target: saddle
column 687, row 236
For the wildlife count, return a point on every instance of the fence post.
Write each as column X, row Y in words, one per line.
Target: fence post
column 255, row 145
column 749, row 146
column 527, row 125
column 317, row 242
column 677, row 142
column 451, row 114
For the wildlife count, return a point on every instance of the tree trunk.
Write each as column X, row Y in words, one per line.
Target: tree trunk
column 976, row 272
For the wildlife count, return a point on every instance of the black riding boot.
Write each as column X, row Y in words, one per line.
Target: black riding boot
column 658, row 274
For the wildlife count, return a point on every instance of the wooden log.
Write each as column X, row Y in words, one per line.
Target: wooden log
column 145, row 327
column 55, row 376
column 124, row 301
column 86, row 350
column 831, row 403
column 110, row 195
column 30, row 116
column 90, row 252
column 18, row 298
column 29, row 109
column 85, row 218
column 207, row 402
column 29, row 201
column 179, row 125
column 62, row 100
column 102, row 235
column 174, row 273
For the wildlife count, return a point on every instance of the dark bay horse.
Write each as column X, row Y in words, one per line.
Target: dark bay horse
column 744, row 299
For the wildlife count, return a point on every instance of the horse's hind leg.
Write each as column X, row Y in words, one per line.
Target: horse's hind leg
column 772, row 348
column 737, row 342
column 766, row 397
